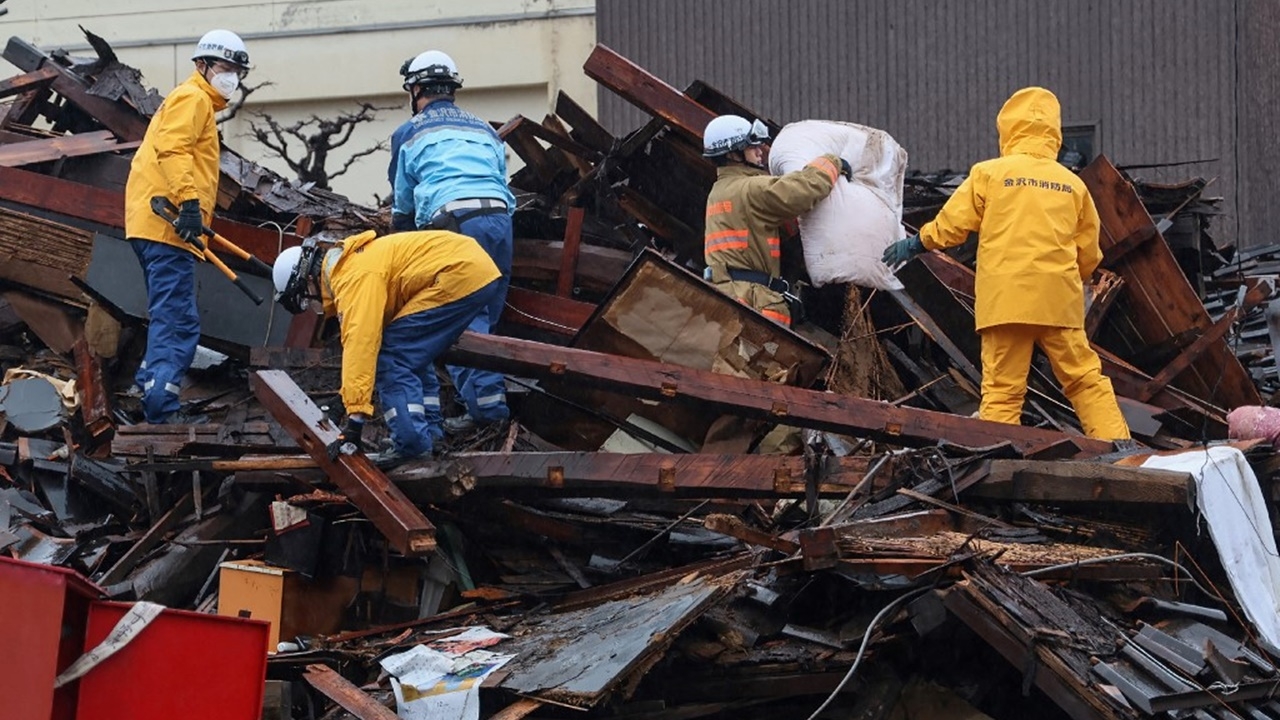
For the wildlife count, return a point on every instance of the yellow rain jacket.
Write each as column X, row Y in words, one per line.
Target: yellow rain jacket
column 745, row 209
column 178, row 159
column 378, row 280
column 1036, row 223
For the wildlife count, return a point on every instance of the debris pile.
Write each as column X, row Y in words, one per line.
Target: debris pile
column 624, row 547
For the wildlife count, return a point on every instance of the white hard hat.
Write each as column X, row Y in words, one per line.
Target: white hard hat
column 222, row 45
column 286, row 263
column 431, row 66
column 727, row 133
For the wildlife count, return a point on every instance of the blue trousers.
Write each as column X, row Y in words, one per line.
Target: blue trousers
column 174, row 328
column 406, row 367
column 484, row 392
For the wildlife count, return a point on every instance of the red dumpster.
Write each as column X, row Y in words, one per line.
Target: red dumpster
column 183, row 665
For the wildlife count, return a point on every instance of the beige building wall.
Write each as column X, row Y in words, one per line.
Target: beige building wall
column 324, row 57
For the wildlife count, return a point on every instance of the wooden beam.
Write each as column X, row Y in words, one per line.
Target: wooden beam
column 586, row 129
column 95, row 403
column 66, row 146
column 1105, row 293
column 733, row 526
column 346, row 694
column 148, row 542
column 642, row 89
column 1055, row 481
column 403, row 524
column 518, row 709
column 569, row 252
column 563, row 316
column 600, row 474
column 1161, row 302
column 650, row 380
column 119, row 118
column 598, row 268
column 27, row 82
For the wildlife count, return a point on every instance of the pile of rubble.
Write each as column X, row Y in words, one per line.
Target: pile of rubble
column 620, row 548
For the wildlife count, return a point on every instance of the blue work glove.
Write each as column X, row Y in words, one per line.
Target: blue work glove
column 902, row 251
column 846, row 169
column 190, row 225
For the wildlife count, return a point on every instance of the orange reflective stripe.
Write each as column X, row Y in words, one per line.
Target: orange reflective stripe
column 726, row 240
column 827, row 167
column 720, row 208
column 775, row 247
column 725, row 234
column 775, row 315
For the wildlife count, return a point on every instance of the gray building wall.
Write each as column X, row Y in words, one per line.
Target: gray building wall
column 1164, row 80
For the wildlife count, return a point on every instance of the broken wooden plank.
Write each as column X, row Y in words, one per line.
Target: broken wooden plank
column 560, row 315
column 66, row 146
column 749, row 398
column 569, row 252
column 95, row 402
column 1055, row 482
column 1105, row 293
column 148, row 542
column 119, row 118
column 403, row 524
column 346, row 694
column 601, row 474
column 733, row 526
column 27, row 82
column 640, row 88
column 586, row 129
column 518, row 709
column 1161, row 302
column 598, row 270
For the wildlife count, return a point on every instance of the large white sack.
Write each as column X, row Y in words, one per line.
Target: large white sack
column 845, row 235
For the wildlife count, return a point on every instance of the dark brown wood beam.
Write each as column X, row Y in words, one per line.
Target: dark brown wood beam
column 560, row 315
column 403, row 524
column 346, row 694
column 66, row 146
column 95, row 403
column 1054, row 482
column 569, row 252
column 647, row 92
column 750, row 398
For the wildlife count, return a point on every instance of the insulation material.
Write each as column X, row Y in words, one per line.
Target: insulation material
column 845, row 235
column 1252, row 422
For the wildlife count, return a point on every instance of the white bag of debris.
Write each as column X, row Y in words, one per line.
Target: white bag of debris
column 845, row 235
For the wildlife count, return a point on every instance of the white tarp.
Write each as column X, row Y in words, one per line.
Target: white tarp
column 1232, row 503
column 845, row 235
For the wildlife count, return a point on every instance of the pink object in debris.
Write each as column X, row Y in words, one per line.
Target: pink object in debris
column 1252, row 422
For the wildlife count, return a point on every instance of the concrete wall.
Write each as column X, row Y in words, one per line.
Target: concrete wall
column 323, row 57
column 1165, row 80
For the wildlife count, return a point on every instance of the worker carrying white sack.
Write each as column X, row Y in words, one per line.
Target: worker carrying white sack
column 746, row 209
column 845, row 234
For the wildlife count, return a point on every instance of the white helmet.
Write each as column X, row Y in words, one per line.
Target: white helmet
column 430, row 67
column 222, row 45
column 727, row 133
column 286, row 263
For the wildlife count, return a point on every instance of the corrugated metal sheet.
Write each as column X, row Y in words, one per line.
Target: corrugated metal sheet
column 1159, row 78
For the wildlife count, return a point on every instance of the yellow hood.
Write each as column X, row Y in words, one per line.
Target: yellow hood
column 1030, row 123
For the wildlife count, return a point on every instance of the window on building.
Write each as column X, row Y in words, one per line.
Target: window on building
column 1079, row 144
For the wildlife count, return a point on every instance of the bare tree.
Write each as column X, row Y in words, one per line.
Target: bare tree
column 233, row 106
column 316, row 138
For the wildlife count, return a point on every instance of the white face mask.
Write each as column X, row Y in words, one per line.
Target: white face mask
column 225, row 83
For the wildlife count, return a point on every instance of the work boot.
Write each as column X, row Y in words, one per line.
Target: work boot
column 1126, row 445
column 460, row 425
column 391, row 458
column 182, row 417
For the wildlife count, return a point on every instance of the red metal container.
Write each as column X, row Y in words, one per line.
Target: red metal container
column 43, row 610
column 183, row 665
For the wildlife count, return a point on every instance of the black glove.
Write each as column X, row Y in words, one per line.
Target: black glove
column 846, row 169
column 347, row 443
column 902, row 251
column 190, row 225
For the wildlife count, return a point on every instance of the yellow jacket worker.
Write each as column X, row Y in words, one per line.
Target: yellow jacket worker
column 178, row 160
column 401, row 299
column 1037, row 245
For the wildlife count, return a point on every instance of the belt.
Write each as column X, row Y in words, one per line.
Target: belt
column 473, row 204
column 775, row 284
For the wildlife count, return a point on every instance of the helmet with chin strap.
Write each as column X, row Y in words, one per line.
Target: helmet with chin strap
column 730, row 133
column 222, row 45
column 298, row 271
column 432, row 70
